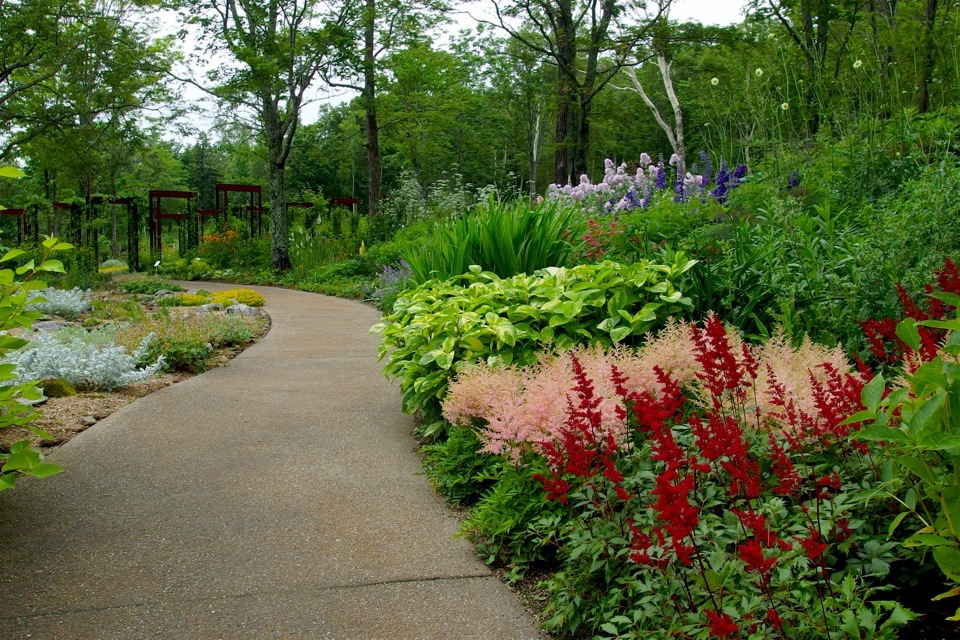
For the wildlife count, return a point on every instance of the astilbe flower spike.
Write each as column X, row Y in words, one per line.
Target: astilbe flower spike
column 721, row 624
column 584, row 449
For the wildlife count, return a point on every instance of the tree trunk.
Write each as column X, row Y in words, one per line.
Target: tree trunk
column 277, row 191
column 370, row 107
column 926, row 71
column 535, row 154
column 566, row 36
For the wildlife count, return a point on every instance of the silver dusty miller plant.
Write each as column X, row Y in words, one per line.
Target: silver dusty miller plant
column 59, row 302
column 86, row 366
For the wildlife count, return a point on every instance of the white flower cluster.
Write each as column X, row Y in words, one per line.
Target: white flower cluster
column 58, row 302
column 86, row 366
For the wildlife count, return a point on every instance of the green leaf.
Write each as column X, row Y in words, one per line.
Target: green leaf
column 52, row 266
column 13, row 253
column 907, row 331
column 896, row 522
column 948, row 559
column 880, row 433
column 610, row 628
column 11, row 172
column 45, row 470
column 872, row 393
column 18, row 461
column 928, row 415
column 445, row 360
column 30, row 266
column 919, row 467
column 619, row 333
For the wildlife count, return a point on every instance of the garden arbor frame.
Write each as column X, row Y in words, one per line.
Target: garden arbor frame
column 133, row 226
column 187, row 221
column 254, row 203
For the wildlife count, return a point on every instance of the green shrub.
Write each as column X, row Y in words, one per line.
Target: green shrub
column 441, row 326
column 147, row 285
column 513, row 523
column 15, row 286
column 188, row 342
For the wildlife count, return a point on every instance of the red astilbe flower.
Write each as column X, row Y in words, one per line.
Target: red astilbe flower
column 814, row 546
column 720, row 370
column 881, row 334
column 583, row 448
column 758, row 525
column 673, row 504
column 751, row 552
column 721, row 625
column 789, row 480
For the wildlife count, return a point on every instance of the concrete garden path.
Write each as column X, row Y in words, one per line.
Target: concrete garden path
column 276, row 497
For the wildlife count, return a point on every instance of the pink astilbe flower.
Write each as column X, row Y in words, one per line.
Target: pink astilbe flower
column 523, row 408
column 792, row 387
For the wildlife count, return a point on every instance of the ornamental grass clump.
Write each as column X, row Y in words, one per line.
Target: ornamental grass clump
column 697, row 509
column 503, row 239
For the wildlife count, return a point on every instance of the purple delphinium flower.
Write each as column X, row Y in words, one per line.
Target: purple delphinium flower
column 738, row 174
column 632, row 199
column 723, row 177
column 646, row 196
column 678, row 190
column 661, row 176
column 707, row 171
column 794, row 180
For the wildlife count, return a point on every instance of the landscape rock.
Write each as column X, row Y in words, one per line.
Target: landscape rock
column 77, row 428
column 88, row 421
column 243, row 310
column 49, row 326
column 210, row 308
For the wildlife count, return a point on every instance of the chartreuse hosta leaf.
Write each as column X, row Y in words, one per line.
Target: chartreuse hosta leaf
column 480, row 316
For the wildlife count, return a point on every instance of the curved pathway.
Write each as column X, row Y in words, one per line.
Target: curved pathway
column 276, row 497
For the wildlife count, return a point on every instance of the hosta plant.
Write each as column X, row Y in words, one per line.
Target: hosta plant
column 441, row 327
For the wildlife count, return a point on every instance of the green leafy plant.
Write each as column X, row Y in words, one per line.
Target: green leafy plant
column 919, row 427
column 504, row 239
column 441, row 326
column 147, row 285
column 15, row 286
column 188, row 342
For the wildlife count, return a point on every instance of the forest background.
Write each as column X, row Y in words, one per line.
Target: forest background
column 89, row 94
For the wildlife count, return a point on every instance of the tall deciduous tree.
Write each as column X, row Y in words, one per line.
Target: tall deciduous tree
column 589, row 41
column 78, row 68
column 280, row 47
column 380, row 25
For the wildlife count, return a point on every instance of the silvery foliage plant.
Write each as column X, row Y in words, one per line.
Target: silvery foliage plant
column 59, row 302
column 86, row 366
